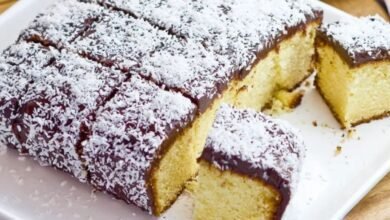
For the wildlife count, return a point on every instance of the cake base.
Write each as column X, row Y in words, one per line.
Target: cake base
column 268, row 76
column 355, row 95
column 228, row 195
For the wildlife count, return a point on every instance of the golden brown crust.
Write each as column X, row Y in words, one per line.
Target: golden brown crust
column 151, row 182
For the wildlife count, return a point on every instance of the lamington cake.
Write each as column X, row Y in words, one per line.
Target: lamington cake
column 353, row 62
column 137, row 149
column 251, row 162
column 20, row 64
column 259, row 53
column 203, row 54
column 61, row 92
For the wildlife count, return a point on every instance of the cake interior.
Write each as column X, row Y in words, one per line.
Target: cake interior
column 355, row 94
column 295, row 61
column 268, row 76
column 173, row 170
column 228, row 195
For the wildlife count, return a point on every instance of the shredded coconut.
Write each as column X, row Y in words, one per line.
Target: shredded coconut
column 257, row 139
column 361, row 36
column 128, row 135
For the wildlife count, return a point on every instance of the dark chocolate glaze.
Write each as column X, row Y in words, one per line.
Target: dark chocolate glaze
column 133, row 109
column 359, row 57
column 261, row 148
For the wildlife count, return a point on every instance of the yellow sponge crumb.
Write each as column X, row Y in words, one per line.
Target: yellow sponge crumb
column 225, row 195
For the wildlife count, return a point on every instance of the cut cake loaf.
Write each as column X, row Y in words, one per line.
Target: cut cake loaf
column 204, row 54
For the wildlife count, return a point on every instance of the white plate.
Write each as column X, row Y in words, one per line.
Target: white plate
column 330, row 186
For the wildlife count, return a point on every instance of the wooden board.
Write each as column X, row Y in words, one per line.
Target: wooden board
column 5, row 5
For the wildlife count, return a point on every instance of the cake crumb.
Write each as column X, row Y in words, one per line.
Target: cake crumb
column 191, row 186
column 290, row 100
column 351, row 133
column 284, row 101
column 338, row 150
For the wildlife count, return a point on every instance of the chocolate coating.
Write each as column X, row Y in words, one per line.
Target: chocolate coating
column 359, row 40
column 256, row 146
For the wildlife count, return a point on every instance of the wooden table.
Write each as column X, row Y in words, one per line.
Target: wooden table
column 376, row 205
column 7, row 4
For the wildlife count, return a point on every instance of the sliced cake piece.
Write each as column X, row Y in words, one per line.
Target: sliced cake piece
column 354, row 69
column 137, row 130
column 47, row 120
column 20, row 65
column 249, row 168
column 61, row 23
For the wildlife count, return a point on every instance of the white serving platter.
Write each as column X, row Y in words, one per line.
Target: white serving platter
column 330, row 186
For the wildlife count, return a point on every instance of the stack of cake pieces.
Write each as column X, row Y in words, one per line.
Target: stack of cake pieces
column 122, row 94
column 354, row 68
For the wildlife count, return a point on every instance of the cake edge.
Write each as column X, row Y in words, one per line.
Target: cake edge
column 323, row 38
column 285, row 195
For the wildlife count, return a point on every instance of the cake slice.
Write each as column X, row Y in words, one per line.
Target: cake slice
column 137, row 150
column 249, row 168
column 20, row 65
column 61, row 23
column 354, row 69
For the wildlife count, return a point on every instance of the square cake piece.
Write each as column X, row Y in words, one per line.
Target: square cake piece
column 251, row 162
column 353, row 62
column 61, row 23
column 20, row 65
column 137, row 150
